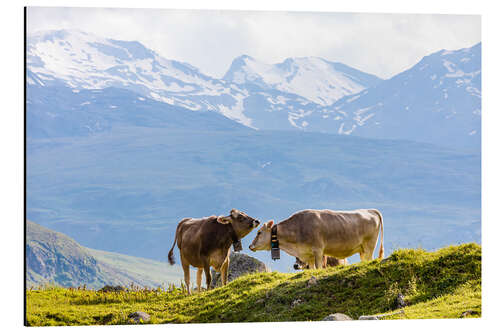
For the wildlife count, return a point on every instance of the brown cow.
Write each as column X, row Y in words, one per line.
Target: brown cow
column 327, row 262
column 311, row 234
column 206, row 242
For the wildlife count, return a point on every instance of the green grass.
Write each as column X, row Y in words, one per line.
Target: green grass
column 441, row 284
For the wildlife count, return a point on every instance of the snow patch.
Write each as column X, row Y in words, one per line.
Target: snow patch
column 265, row 164
column 458, row 73
column 450, row 67
column 423, row 67
column 353, row 98
column 473, row 91
column 235, row 112
column 346, row 132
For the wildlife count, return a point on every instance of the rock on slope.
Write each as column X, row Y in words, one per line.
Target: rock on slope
column 240, row 264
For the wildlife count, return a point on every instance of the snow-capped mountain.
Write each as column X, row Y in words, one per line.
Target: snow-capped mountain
column 320, row 81
column 81, row 60
column 438, row 100
column 85, row 61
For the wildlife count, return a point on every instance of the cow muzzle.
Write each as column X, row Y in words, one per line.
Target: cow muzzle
column 252, row 248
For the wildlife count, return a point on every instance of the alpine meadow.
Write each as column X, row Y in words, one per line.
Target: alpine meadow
column 127, row 149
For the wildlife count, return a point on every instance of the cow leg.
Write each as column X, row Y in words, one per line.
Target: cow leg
column 198, row 278
column 185, row 267
column 365, row 256
column 318, row 259
column 224, row 271
column 208, row 276
column 368, row 248
column 310, row 262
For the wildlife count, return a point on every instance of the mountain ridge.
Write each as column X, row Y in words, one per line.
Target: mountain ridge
column 330, row 80
column 53, row 257
column 85, row 61
column 438, row 100
column 304, row 93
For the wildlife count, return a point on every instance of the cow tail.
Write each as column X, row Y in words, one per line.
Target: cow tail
column 171, row 259
column 381, row 251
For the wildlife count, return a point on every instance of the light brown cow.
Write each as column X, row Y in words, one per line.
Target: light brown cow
column 327, row 262
column 310, row 234
column 206, row 242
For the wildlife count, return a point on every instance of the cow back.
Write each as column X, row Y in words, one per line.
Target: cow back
column 201, row 238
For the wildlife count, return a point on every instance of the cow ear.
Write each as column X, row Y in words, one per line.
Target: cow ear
column 234, row 213
column 269, row 224
column 223, row 220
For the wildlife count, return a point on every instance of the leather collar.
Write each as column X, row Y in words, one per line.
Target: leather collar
column 275, row 244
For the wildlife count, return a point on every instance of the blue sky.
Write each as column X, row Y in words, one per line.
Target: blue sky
column 381, row 44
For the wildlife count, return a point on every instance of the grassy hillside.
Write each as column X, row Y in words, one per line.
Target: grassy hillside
column 441, row 284
column 149, row 272
column 52, row 257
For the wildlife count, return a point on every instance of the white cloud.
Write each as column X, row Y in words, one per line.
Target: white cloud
column 382, row 44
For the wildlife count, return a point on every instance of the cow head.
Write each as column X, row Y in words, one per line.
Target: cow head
column 263, row 239
column 241, row 222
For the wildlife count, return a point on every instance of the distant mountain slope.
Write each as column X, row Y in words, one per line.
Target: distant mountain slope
column 52, row 257
column 438, row 100
column 126, row 190
column 62, row 111
column 320, row 81
column 145, row 271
